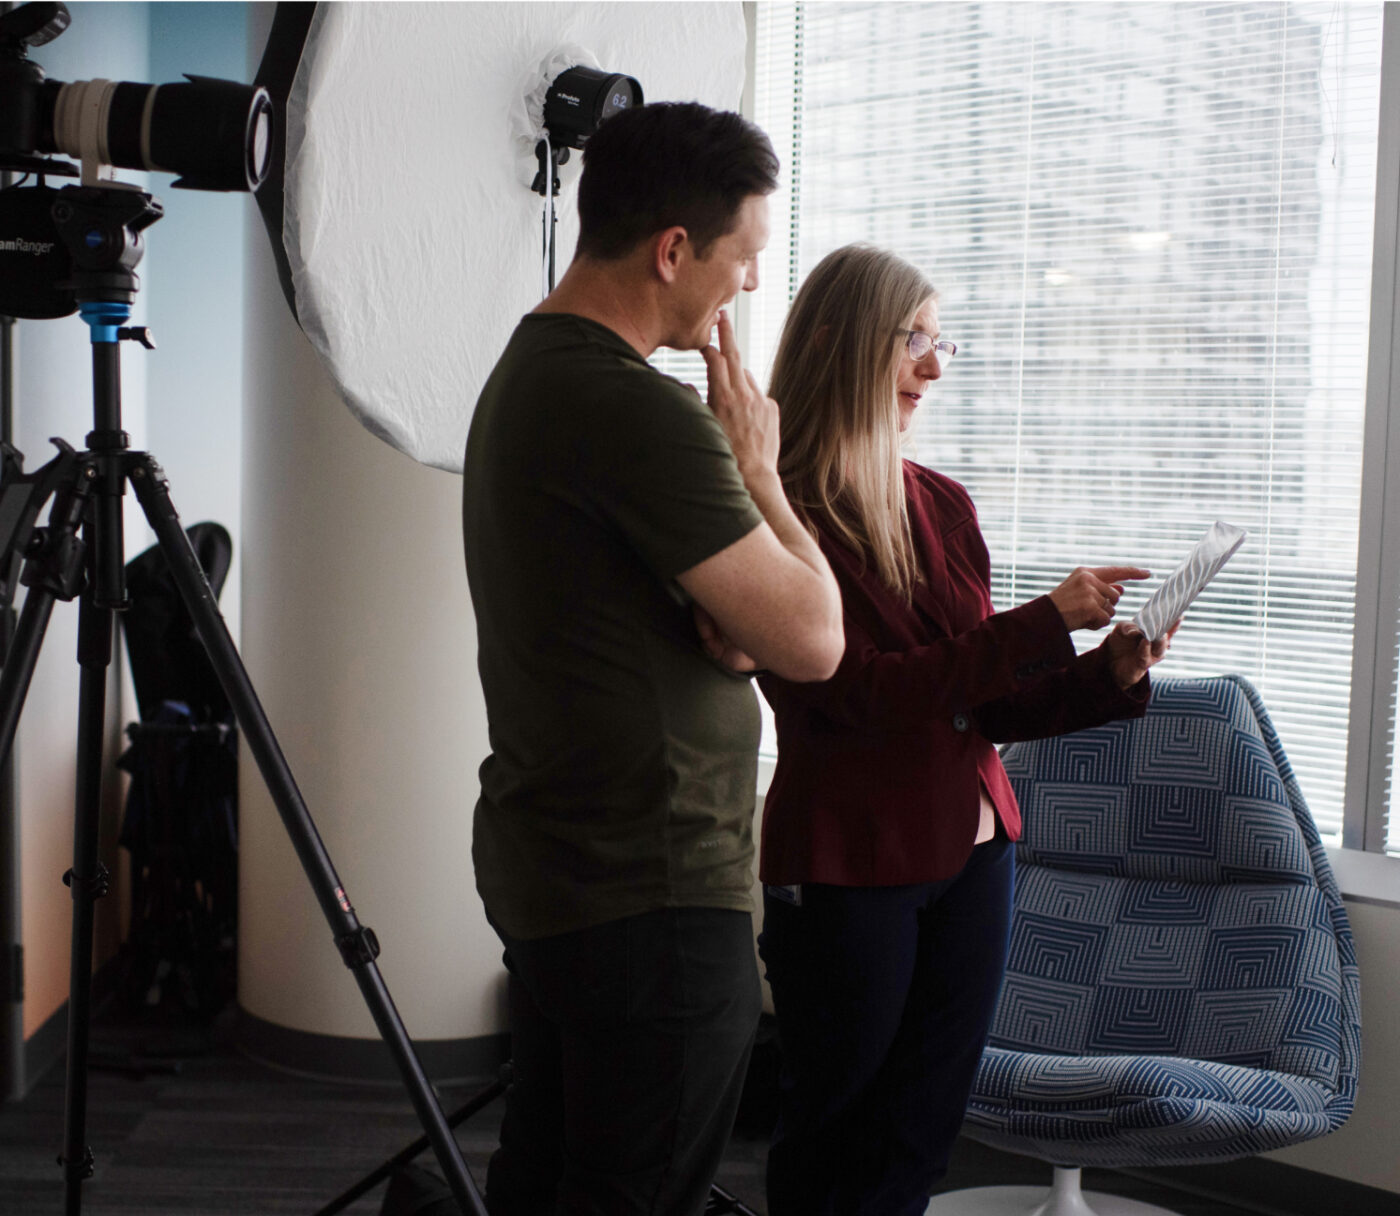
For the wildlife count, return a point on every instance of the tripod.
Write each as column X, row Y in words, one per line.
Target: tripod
column 79, row 556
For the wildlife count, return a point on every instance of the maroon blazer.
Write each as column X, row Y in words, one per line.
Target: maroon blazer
column 880, row 768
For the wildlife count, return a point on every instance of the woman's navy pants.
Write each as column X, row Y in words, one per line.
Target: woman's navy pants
column 883, row 997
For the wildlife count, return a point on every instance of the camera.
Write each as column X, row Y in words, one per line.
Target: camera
column 215, row 134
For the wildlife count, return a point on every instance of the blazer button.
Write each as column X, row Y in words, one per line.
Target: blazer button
column 961, row 722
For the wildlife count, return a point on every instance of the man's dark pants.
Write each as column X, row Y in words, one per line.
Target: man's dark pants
column 630, row 1041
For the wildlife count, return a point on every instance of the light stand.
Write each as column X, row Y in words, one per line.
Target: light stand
column 79, row 555
column 549, row 157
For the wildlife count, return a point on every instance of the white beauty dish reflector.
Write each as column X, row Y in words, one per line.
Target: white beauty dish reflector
column 413, row 237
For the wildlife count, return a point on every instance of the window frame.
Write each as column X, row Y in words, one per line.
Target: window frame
column 1368, row 874
column 1373, row 675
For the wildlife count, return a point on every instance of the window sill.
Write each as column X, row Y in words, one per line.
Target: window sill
column 1367, row 878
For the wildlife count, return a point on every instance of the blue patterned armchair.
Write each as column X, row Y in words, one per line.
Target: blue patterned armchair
column 1181, row 985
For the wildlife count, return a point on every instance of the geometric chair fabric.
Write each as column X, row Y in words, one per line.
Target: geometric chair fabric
column 1181, row 985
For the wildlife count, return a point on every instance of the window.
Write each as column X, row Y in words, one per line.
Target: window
column 1151, row 227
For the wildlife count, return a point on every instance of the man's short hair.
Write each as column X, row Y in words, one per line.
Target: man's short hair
column 667, row 164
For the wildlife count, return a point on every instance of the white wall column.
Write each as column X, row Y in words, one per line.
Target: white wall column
column 358, row 633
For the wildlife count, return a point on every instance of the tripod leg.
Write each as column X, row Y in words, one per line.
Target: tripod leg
column 21, row 660
column 88, row 879
column 409, row 1152
column 357, row 944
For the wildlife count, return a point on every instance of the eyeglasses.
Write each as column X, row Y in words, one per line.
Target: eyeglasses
column 919, row 344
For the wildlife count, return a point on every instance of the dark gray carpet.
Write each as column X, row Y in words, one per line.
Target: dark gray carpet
column 229, row 1137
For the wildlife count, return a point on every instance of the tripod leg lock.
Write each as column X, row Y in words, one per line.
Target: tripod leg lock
column 57, row 563
column 91, row 889
column 78, row 1170
column 358, row 947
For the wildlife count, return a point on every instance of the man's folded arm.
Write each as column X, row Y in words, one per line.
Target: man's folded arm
column 772, row 594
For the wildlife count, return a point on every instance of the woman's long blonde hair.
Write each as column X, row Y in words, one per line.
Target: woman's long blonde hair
column 834, row 381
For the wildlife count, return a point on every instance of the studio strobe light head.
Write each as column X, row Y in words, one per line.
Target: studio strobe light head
column 580, row 98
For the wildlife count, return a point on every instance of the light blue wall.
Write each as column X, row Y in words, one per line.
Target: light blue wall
column 194, row 269
column 182, row 402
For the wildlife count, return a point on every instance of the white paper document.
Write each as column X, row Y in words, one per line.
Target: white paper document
column 1169, row 602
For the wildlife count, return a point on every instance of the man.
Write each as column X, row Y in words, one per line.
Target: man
column 628, row 547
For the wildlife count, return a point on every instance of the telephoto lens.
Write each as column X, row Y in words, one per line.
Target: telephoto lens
column 216, row 134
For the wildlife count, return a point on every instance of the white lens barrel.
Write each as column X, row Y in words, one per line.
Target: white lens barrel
column 80, row 120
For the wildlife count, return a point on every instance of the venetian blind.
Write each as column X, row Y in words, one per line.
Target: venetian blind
column 1150, row 226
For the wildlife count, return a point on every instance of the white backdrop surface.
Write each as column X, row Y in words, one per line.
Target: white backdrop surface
column 413, row 236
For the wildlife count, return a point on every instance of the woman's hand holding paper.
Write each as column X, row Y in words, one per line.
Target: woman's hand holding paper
column 1131, row 655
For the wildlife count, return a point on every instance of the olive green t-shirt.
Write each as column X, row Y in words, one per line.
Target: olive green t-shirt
column 623, row 759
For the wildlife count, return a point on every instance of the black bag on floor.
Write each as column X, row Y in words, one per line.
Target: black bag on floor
column 414, row 1191
column 181, row 819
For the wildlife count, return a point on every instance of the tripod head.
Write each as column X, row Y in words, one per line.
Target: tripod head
column 72, row 245
column 99, row 230
column 101, row 226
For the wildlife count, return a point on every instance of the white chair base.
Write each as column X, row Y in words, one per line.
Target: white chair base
column 1064, row 1198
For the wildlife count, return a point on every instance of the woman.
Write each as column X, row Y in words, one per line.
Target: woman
column 887, row 860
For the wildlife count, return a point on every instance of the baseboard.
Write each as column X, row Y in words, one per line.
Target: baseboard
column 1274, row 1188
column 47, row 1046
column 44, row 1048
column 328, row 1057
